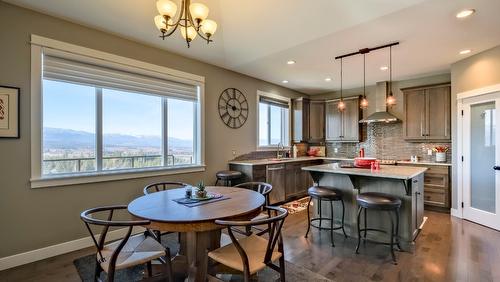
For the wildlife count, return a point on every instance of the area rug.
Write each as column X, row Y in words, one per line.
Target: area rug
column 297, row 205
column 294, row 273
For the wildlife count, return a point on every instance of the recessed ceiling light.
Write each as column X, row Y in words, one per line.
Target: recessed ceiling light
column 328, row 79
column 291, row 62
column 384, row 68
column 463, row 52
column 465, row 13
column 285, row 81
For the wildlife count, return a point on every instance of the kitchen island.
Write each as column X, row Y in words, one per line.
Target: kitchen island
column 405, row 182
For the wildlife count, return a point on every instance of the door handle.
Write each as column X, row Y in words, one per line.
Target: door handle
column 496, row 167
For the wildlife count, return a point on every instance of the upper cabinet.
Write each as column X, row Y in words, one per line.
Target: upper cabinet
column 427, row 113
column 343, row 126
column 308, row 120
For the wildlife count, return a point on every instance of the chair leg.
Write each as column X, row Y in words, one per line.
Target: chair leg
column 343, row 216
column 359, row 232
column 158, row 235
column 392, row 239
column 331, row 223
column 111, row 275
column 365, row 219
column 282, row 268
column 168, row 265
column 98, row 271
column 216, row 181
column 397, row 230
column 149, row 269
column 320, row 212
column 308, row 217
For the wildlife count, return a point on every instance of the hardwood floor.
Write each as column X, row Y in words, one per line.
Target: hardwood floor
column 448, row 249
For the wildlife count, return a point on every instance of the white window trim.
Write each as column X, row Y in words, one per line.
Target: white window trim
column 38, row 180
column 277, row 97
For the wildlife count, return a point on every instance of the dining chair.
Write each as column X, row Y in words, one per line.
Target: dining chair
column 253, row 253
column 129, row 251
column 264, row 189
column 157, row 187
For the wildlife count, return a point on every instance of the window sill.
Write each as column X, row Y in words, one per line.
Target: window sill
column 94, row 177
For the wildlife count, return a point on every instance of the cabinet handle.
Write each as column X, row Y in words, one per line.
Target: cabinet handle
column 275, row 168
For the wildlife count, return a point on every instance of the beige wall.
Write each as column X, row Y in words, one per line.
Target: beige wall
column 36, row 218
column 474, row 72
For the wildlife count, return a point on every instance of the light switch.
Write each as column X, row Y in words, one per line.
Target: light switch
column 429, row 152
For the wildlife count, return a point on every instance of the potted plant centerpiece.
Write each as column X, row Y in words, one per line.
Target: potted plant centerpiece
column 440, row 153
column 200, row 191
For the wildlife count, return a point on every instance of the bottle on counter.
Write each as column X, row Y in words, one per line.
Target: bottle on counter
column 294, row 151
column 362, row 153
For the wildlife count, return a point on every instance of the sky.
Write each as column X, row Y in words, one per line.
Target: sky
column 72, row 106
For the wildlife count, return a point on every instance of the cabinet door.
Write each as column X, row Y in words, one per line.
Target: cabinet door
column 300, row 108
column 415, row 120
column 333, row 122
column 275, row 175
column 351, row 120
column 290, row 180
column 438, row 113
column 316, row 121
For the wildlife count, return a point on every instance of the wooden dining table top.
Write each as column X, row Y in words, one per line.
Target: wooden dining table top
column 160, row 207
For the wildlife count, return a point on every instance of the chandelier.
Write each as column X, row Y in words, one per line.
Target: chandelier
column 192, row 20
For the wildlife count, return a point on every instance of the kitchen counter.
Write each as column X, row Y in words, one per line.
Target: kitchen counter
column 386, row 171
column 301, row 159
column 423, row 163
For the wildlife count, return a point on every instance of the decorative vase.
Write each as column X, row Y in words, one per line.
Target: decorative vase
column 440, row 157
column 201, row 194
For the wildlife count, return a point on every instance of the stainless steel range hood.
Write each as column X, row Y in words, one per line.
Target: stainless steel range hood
column 381, row 114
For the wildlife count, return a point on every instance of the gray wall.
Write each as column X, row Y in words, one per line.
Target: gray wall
column 36, row 218
column 474, row 72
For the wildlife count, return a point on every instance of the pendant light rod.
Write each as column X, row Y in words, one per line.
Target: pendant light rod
column 341, row 78
column 367, row 50
column 364, row 75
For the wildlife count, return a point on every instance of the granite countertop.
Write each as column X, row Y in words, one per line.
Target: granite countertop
column 386, row 171
column 301, row 159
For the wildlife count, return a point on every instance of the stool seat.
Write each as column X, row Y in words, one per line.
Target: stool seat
column 325, row 192
column 228, row 174
column 375, row 200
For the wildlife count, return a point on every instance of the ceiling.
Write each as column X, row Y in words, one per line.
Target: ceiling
column 258, row 37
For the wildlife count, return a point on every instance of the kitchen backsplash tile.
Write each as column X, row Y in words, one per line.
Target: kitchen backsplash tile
column 385, row 141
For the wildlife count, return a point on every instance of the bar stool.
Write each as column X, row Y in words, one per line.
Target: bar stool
column 382, row 202
column 227, row 177
column 330, row 194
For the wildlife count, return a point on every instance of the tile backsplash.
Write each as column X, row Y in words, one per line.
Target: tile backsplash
column 385, row 141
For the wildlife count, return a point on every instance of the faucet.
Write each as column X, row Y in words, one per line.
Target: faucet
column 279, row 152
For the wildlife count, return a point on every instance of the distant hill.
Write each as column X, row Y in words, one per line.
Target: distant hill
column 59, row 138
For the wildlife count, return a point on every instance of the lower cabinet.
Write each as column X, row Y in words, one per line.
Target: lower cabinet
column 297, row 180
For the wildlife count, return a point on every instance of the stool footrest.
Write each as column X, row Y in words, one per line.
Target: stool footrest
column 321, row 227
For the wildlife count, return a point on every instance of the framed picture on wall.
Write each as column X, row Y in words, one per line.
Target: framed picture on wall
column 9, row 112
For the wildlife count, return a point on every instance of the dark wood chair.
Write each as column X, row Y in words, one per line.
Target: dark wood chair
column 253, row 253
column 264, row 189
column 127, row 252
column 157, row 187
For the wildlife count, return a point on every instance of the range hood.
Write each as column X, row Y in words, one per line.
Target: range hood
column 381, row 114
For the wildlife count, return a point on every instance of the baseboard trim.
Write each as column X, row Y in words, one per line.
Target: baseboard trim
column 59, row 249
column 455, row 213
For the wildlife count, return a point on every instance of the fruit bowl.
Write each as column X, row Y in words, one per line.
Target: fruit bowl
column 364, row 162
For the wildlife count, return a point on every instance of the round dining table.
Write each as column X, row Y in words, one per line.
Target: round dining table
column 196, row 224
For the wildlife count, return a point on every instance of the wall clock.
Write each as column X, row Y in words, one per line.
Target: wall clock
column 233, row 107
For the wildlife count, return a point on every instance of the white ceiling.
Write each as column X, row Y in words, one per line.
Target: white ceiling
column 257, row 37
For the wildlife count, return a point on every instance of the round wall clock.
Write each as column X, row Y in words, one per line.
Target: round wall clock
column 233, row 107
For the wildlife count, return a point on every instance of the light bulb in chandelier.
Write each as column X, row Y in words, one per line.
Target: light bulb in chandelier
column 391, row 101
column 198, row 11
column 208, row 27
column 341, row 105
column 166, row 8
column 191, row 33
column 364, row 103
column 160, row 23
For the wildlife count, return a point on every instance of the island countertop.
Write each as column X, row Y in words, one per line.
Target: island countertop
column 386, row 171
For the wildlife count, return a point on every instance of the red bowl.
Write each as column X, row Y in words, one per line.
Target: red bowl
column 364, row 162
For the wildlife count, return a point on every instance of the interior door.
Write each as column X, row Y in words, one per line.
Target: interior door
column 481, row 175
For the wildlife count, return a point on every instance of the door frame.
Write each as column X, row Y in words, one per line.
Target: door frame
column 459, row 176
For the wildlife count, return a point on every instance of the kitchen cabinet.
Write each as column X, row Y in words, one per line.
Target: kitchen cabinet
column 436, row 186
column 417, row 204
column 297, row 180
column 427, row 113
column 316, row 121
column 343, row 126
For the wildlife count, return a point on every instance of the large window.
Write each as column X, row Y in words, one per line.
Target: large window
column 273, row 120
column 100, row 119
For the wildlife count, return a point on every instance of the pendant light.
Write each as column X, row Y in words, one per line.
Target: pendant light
column 391, row 100
column 341, row 104
column 364, row 102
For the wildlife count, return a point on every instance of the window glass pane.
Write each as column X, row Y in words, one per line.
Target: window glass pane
column 276, row 125
column 180, row 132
column 263, row 124
column 68, row 143
column 132, row 130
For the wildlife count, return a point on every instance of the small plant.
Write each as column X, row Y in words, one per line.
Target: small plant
column 440, row 149
column 200, row 191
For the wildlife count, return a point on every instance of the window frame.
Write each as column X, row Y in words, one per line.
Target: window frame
column 39, row 47
column 284, row 132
